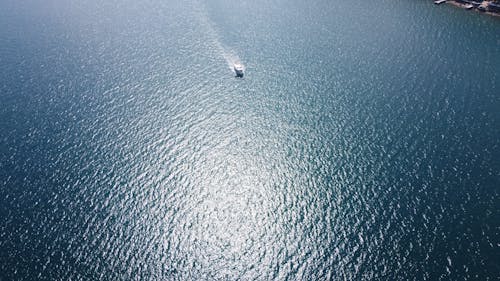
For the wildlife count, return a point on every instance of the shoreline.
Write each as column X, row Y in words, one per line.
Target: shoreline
column 484, row 4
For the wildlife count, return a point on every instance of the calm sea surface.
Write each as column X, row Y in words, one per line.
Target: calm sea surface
column 363, row 142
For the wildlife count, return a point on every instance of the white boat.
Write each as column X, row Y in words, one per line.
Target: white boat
column 238, row 69
column 437, row 2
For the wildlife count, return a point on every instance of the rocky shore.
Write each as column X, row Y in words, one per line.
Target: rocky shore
column 487, row 7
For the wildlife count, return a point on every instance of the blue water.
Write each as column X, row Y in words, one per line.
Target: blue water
column 363, row 142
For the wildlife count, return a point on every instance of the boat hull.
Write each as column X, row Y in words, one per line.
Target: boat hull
column 238, row 69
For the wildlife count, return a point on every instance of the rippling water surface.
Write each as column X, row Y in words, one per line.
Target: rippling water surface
column 362, row 143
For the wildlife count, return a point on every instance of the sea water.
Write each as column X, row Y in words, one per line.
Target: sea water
column 362, row 143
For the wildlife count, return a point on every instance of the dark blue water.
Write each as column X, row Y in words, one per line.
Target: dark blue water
column 363, row 142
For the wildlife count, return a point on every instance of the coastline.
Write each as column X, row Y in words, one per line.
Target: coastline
column 486, row 7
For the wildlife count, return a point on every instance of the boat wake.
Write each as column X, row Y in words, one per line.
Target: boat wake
column 225, row 52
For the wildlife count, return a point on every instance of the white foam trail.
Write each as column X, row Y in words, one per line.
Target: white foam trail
column 227, row 53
